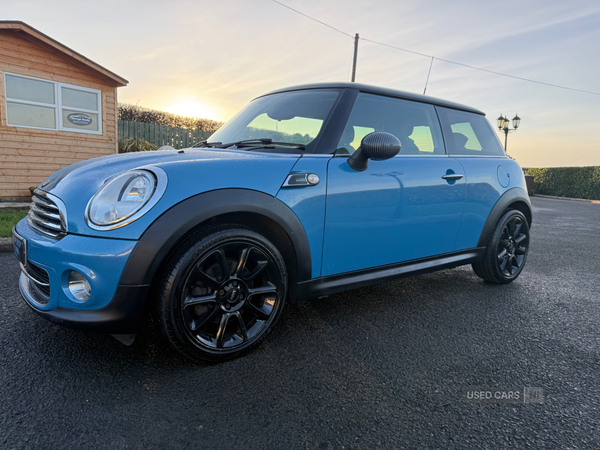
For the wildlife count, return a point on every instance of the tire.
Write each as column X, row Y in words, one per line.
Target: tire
column 222, row 293
column 506, row 251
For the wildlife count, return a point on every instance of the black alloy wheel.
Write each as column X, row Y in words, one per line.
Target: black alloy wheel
column 506, row 252
column 512, row 247
column 223, row 295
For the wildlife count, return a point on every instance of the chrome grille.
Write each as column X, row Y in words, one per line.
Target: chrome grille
column 47, row 215
column 38, row 283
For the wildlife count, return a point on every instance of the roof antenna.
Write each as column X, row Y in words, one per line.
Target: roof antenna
column 427, row 81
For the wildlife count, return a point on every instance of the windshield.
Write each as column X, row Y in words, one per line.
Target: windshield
column 288, row 117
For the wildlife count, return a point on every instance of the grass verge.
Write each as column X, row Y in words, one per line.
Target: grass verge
column 9, row 218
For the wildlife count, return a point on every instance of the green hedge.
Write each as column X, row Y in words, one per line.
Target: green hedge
column 573, row 182
column 135, row 113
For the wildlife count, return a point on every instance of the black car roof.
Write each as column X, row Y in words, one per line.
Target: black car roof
column 381, row 91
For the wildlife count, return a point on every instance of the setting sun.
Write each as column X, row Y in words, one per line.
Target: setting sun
column 193, row 108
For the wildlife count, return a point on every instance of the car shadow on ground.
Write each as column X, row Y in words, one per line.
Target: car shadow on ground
column 359, row 310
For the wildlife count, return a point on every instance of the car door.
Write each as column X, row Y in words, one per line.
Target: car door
column 401, row 209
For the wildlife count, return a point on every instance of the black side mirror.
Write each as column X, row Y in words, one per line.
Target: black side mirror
column 376, row 146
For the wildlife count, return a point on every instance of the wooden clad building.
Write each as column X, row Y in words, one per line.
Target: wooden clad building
column 56, row 108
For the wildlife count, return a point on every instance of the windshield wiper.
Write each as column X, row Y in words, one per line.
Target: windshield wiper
column 205, row 144
column 264, row 142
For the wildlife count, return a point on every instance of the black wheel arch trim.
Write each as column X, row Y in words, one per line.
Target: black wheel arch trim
column 512, row 196
column 160, row 237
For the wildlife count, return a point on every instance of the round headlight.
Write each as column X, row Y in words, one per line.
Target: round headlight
column 121, row 198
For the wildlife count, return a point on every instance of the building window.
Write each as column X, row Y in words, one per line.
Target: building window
column 36, row 103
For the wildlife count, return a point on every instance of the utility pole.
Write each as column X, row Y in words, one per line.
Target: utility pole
column 355, row 55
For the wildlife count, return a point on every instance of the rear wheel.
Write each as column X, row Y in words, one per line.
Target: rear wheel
column 506, row 251
column 222, row 294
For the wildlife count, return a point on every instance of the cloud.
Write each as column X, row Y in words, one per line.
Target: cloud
column 225, row 53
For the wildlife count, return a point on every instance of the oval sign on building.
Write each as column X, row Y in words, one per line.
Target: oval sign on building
column 79, row 119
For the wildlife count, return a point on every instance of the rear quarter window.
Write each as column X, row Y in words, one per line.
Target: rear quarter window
column 468, row 134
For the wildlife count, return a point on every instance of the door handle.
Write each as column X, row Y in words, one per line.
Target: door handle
column 452, row 176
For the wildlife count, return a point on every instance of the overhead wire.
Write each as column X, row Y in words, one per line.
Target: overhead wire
column 312, row 18
column 484, row 70
column 440, row 59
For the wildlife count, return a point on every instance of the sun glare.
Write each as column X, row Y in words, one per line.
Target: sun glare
column 191, row 108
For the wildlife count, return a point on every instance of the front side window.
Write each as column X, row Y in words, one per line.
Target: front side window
column 37, row 103
column 414, row 123
column 295, row 117
column 469, row 134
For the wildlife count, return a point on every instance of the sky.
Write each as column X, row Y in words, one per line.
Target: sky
column 208, row 58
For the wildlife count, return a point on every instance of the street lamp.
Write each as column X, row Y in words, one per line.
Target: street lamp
column 503, row 125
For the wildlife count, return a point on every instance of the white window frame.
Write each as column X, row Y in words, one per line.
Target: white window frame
column 57, row 106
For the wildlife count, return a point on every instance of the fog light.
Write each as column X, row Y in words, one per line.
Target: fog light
column 79, row 286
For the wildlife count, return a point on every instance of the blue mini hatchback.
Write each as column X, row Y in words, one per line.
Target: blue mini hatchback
column 308, row 191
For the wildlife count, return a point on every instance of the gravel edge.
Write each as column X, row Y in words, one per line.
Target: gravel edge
column 585, row 200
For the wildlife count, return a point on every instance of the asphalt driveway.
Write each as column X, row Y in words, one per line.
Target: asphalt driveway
column 380, row 367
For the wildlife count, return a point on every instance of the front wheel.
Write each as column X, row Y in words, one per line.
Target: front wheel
column 506, row 251
column 222, row 293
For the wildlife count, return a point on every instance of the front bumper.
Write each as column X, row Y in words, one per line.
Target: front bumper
column 122, row 315
column 111, row 308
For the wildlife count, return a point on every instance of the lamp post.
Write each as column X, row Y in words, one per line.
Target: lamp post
column 503, row 125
